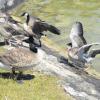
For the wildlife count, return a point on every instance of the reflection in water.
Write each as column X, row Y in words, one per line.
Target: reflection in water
column 63, row 13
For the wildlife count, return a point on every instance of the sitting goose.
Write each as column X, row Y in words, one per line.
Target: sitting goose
column 36, row 26
column 20, row 59
column 76, row 35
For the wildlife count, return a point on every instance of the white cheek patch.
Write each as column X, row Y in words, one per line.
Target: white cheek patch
column 26, row 14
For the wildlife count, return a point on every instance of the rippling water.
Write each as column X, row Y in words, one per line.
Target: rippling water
column 62, row 13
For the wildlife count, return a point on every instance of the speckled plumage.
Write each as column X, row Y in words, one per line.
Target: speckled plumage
column 20, row 59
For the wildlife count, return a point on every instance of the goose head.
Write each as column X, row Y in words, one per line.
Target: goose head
column 26, row 15
column 33, row 48
column 69, row 46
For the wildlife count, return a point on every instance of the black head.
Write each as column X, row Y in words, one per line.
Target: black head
column 26, row 15
column 69, row 44
column 33, row 48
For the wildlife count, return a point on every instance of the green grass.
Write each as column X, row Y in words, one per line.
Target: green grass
column 42, row 87
column 2, row 50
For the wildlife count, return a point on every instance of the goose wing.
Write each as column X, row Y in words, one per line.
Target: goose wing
column 39, row 27
column 85, row 48
column 83, row 40
column 93, row 53
column 76, row 35
column 78, row 40
column 51, row 28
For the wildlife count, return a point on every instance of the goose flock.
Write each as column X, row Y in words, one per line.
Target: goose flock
column 21, row 57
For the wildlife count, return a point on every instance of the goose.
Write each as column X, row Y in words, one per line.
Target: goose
column 36, row 26
column 79, row 52
column 76, row 35
column 21, row 59
column 81, row 56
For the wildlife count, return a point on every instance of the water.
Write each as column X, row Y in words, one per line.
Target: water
column 62, row 13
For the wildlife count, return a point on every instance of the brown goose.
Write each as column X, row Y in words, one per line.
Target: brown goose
column 20, row 59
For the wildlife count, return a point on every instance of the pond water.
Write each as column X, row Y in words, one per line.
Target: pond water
column 62, row 13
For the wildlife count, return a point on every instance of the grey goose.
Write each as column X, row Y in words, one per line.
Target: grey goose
column 83, row 55
column 36, row 26
column 79, row 52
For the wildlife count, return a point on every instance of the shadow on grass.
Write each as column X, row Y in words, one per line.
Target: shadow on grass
column 2, row 43
column 8, row 75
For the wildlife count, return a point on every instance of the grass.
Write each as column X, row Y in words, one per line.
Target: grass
column 42, row 87
column 2, row 50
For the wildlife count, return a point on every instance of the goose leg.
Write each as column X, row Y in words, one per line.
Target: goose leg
column 6, row 42
column 13, row 74
column 40, row 43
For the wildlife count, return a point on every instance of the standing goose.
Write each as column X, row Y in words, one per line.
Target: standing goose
column 36, row 26
column 20, row 59
column 76, row 35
